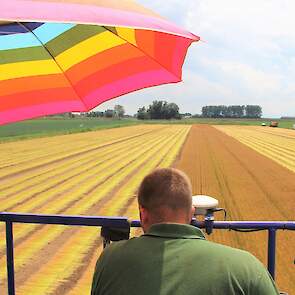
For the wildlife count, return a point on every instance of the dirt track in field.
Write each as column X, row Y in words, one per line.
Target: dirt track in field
column 250, row 186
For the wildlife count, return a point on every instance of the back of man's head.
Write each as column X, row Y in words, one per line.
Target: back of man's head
column 166, row 194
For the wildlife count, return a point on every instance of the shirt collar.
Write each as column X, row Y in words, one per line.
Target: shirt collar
column 175, row 230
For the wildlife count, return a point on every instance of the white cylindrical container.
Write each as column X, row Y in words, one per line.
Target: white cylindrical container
column 202, row 203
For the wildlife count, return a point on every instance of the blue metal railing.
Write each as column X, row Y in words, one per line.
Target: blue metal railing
column 122, row 223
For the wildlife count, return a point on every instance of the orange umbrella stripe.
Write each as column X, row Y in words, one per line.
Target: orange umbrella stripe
column 102, row 61
column 114, row 73
column 32, row 83
column 36, row 98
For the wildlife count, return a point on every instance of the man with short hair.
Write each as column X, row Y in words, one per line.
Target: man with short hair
column 173, row 257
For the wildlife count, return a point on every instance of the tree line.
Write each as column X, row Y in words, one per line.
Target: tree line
column 162, row 110
column 117, row 112
column 232, row 111
column 158, row 110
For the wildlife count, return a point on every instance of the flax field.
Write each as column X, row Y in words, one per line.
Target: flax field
column 249, row 169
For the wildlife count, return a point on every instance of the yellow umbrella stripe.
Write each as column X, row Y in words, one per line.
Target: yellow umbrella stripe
column 85, row 49
column 127, row 34
column 28, row 68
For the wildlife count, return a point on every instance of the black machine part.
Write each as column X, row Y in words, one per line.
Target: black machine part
column 111, row 234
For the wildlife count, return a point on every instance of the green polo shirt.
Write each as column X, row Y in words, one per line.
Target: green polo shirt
column 177, row 259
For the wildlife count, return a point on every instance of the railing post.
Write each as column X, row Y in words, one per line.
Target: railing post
column 271, row 259
column 9, row 257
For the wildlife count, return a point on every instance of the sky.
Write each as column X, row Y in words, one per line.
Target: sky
column 247, row 56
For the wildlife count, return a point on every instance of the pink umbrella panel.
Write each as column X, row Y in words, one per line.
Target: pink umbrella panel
column 61, row 63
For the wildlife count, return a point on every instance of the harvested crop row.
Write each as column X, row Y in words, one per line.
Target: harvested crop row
column 122, row 197
column 83, row 187
column 34, row 188
column 249, row 185
column 58, row 149
column 17, row 152
column 83, row 281
column 268, row 143
column 33, row 242
column 109, row 207
column 81, row 159
column 83, row 194
column 282, row 132
column 281, row 155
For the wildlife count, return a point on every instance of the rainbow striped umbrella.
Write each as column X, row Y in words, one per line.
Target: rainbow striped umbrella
column 72, row 55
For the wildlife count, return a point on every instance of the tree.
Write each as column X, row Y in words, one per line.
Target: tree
column 225, row 112
column 142, row 114
column 237, row 111
column 156, row 109
column 206, row 112
column 186, row 115
column 119, row 111
column 211, row 111
column 171, row 111
column 109, row 113
column 163, row 110
column 94, row 114
column 233, row 111
column 253, row 111
column 159, row 110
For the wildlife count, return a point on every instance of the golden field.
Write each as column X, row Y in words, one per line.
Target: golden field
column 94, row 173
column 97, row 173
column 249, row 185
column 277, row 144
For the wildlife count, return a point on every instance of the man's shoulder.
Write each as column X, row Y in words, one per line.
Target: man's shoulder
column 226, row 249
column 212, row 260
column 193, row 245
column 237, row 261
column 229, row 253
column 118, row 247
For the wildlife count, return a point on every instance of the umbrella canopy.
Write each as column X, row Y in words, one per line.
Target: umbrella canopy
column 72, row 55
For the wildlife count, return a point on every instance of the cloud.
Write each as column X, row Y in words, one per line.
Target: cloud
column 191, row 94
column 251, row 79
column 248, row 55
column 250, row 48
column 266, row 18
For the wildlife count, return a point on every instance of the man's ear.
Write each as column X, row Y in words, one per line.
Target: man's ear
column 142, row 212
column 144, row 218
column 193, row 212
